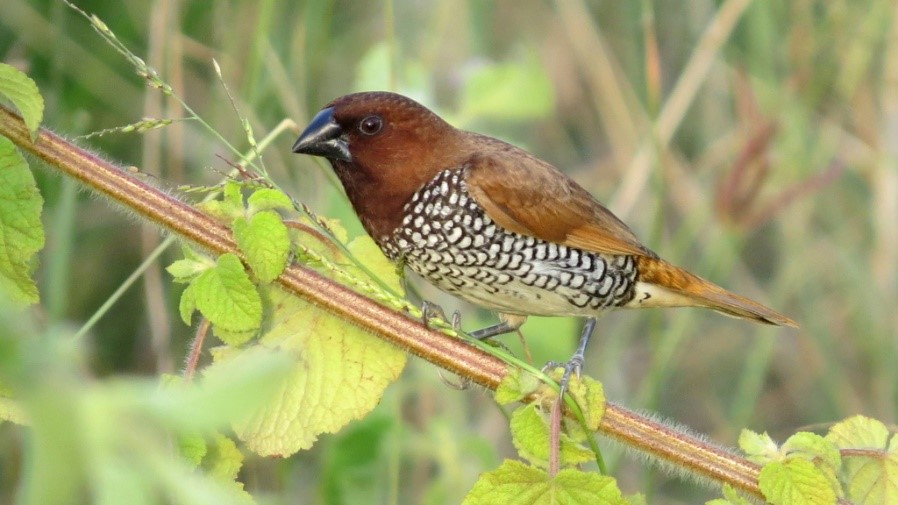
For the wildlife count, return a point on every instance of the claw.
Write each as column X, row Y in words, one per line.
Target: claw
column 429, row 310
column 461, row 385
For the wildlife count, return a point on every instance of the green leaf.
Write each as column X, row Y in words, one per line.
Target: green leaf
column 229, row 300
column 758, row 447
column 264, row 242
column 812, row 446
column 795, row 482
column 268, row 199
column 21, row 232
column 872, row 479
column 515, row 385
column 339, row 374
column 224, row 459
column 590, row 396
column 193, row 448
column 859, row 432
column 514, row 90
column 520, row 484
column 187, row 304
column 870, row 473
column 186, row 270
column 23, row 93
column 530, row 436
column 229, row 207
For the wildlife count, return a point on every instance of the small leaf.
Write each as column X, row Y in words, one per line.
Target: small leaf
column 795, row 482
column 193, row 448
column 530, row 436
column 229, row 300
column 812, row 447
column 224, row 459
column 590, row 396
column 870, row 478
column 21, row 231
column 859, row 432
column 759, row 448
column 339, row 374
column 23, row 93
column 515, row 385
column 187, row 305
column 264, row 242
column 268, row 199
column 520, row 484
column 186, row 270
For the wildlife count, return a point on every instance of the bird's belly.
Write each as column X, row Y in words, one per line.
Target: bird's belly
column 448, row 240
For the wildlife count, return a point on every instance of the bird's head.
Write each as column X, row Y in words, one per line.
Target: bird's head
column 383, row 147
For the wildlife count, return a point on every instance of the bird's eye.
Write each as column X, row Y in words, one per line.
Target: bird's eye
column 371, row 125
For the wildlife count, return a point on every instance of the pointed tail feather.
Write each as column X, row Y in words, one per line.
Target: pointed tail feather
column 660, row 284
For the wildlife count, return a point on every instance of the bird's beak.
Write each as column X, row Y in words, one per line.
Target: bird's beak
column 323, row 137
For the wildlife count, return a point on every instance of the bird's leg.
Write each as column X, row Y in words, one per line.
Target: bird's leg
column 510, row 323
column 430, row 310
column 574, row 364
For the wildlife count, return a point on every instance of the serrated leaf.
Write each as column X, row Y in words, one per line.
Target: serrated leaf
column 268, row 199
column 339, row 374
column 229, row 300
column 187, row 305
column 224, row 459
column 264, row 242
column 872, row 479
column 232, row 195
column 530, row 436
column 795, row 482
column 192, row 448
column 185, row 270
column 515, row 385
column 812, row 447
column 24, row 94
column 520, row 484
column 513, row 90
column 758, row 447
column 590, row 396
column 21, row 231
column 859, row 432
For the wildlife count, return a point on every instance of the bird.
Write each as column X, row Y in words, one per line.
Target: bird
column 494, row 225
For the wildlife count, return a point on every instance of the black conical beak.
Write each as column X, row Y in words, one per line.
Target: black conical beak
column 323, row 137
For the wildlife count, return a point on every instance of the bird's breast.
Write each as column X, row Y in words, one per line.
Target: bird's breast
column 448, row 239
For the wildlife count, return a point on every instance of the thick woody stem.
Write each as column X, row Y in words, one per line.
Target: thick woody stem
column 675, row 448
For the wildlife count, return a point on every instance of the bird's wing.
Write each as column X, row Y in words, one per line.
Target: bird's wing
column 528, row 196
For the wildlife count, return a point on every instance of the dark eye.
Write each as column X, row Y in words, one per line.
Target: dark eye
column 371, row 125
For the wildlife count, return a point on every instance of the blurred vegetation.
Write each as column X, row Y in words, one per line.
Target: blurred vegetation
column 753, row 142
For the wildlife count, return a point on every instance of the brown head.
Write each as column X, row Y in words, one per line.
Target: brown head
column 383, row 147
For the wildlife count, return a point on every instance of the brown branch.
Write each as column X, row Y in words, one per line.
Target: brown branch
column 675, row 448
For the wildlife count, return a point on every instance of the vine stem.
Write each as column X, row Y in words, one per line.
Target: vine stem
column 672, row 447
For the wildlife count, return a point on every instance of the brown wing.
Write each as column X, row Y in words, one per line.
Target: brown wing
column 528, row 196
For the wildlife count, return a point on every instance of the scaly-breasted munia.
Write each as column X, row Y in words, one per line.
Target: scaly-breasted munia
column 494, row 225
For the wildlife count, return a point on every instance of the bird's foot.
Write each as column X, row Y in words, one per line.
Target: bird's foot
column 430, row 310
column 572, row 367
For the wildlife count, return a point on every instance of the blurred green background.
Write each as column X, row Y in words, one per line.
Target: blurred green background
column 752, row 142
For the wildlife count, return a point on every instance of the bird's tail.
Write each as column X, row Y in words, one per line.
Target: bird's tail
column 660, row 284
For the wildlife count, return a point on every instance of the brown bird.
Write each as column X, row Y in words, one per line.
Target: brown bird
column 494, row 225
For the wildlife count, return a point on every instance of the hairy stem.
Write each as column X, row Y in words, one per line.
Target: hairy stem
column 667, row 445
